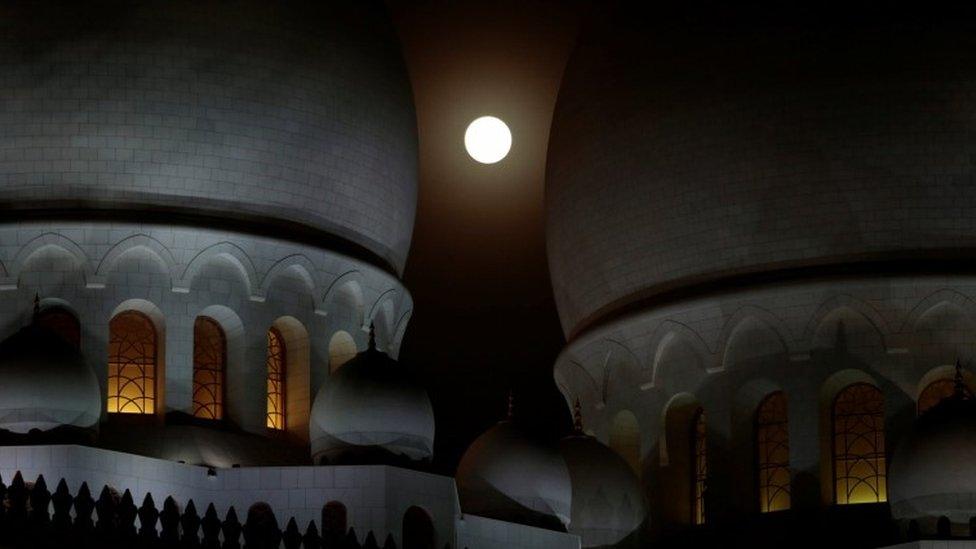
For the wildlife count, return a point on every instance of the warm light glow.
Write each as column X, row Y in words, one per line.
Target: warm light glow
column 209, row 360
column 488, row 139
column 131, row 364
column 773, row 453
column 860, row 474
column 276, row 380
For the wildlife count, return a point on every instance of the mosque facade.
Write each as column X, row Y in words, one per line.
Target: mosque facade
column 758, row 225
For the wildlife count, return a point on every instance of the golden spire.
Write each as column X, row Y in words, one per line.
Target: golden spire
column 37, row 305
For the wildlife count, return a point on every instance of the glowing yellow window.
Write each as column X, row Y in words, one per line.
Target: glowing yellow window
column 860, row 474
column 934, row 393
column 132, row 364
column 773, row 453
column 209, row 362
column 276, row 380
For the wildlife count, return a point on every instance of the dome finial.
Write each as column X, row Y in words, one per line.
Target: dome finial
column 578, row 417
column 372, row 336
column 37, row 306
column 511, row 405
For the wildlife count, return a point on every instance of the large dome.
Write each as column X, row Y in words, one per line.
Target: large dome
column 932, row 469
column 371, row 404
column 285, row 114
column 45, row 384
column 608, row 504
column 689, row 148
column 507, row 475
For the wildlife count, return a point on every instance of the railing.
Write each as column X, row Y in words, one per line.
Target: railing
column 32, row 516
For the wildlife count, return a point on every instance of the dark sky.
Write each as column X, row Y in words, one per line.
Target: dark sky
column 484, row 318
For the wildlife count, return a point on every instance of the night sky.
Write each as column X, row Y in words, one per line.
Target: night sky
column 484, row 319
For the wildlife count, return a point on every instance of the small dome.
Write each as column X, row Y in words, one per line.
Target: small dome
column 506, row 475
column 608, row 504
column 932, row 470
column 45, row 383
column 371, row 405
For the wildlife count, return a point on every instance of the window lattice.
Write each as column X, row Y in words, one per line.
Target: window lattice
column 860, row 474
column 773, row 453
column 934, row 393
column 276, row 380
column 209, row 364
column 700, row 461
column 132, row 364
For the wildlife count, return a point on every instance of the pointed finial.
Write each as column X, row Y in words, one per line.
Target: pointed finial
column 37, row 305
column 511, row 404
column 372, row 336
column 578, row 417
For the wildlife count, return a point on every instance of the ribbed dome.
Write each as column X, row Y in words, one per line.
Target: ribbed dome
column 506, row 475
column 608, row 504
column 45, row 383
column 932, row 470
column 372, row 403
column 279, row 112
column 692, row 145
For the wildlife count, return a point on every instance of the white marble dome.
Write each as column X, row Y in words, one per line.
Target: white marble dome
column 45, row 384
column 931, row 473
column 681, row 158
column 507, row 475
column 371, row 403
column 296, row 115
column 608, row 503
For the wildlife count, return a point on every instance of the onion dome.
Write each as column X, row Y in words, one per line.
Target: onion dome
column 932, row 470
column 45, row 383
column 371, row 408
column 608, row 504
column 507, row 475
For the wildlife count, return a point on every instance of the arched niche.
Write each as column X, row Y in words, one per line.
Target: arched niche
column 297, row 379
column 137, row 359
column 342, row 348
column 418, row 529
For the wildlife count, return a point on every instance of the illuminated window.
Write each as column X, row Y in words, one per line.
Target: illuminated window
column 132, row 364
column 276, row 380
column 859, row 458
column 209, row 362
column 773, row 453
column 934, row 393
column 700, row 471
column 63, row 323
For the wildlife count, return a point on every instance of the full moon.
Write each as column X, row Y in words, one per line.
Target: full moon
column 487, row 139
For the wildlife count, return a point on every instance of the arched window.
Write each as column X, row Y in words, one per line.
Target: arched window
column 341, row 349
column 625, row 438
column 699, row 453
column 418, row 529
column 276, row 380
column 334, row 520
column 860, row 474
column 63, row 323
column 934, row 393
column 773, row 453
column 209, row 365
column 132, row 364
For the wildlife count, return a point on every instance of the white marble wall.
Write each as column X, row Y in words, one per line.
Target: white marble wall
column 376, row 496
column 245, row 282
